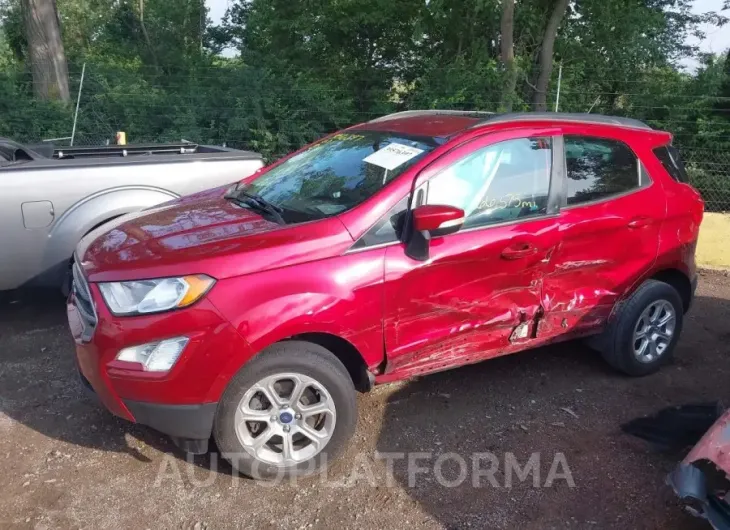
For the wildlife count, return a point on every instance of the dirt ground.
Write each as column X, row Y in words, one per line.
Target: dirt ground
column 65, row 463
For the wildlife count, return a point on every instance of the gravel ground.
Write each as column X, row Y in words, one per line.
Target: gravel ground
column 65, row 463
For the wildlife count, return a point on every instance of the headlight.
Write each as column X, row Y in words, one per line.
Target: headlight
column 152, row 296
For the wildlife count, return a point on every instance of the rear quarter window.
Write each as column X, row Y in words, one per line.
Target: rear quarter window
column 598, row 168
column 668, row 155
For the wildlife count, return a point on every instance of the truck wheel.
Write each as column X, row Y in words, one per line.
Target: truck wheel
column 288, row 412
column 643, row 336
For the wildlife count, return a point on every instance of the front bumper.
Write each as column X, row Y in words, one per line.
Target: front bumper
column 183, row 423
column 181, row 402
column 189, row 426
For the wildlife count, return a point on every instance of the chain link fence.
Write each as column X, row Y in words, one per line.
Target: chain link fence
column 225, row 107
column 709, row 172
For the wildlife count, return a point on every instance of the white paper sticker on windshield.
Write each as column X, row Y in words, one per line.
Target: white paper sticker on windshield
column 392, row 155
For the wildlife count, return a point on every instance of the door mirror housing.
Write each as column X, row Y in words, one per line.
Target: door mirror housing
column 430, row 221
column 438, row 220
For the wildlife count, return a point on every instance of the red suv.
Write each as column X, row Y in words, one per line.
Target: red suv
column 413, row 243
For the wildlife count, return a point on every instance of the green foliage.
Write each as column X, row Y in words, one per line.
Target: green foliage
column 19, row 111
column 306, row 68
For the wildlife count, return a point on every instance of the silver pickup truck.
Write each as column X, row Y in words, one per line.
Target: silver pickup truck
column 50, row 198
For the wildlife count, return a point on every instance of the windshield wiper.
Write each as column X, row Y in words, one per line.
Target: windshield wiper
column 257, row 202
column 259, row 199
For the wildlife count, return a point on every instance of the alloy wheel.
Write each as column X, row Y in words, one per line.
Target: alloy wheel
column 285, row 419
column 654, row 330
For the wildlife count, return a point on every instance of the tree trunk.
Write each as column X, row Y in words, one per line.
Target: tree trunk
column 45, row 50
column 147, row 39
column 545, row 62
column 507, row 28
column 722, row 105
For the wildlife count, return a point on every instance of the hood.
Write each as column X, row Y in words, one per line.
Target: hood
column 203, row 233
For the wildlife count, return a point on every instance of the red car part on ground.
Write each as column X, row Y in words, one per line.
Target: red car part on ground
column 703, row 477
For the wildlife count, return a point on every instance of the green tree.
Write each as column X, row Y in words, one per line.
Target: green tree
column 307, row 68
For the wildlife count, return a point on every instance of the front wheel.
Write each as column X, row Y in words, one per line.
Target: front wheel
column 644, row 334
column 288, row 412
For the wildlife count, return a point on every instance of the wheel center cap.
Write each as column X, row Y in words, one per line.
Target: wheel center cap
column 286, row 417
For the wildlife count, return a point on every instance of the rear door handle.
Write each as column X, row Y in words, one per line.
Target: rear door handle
column 521, row 250
column 639, row 222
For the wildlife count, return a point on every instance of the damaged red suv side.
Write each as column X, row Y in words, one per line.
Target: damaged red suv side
column 413, row 243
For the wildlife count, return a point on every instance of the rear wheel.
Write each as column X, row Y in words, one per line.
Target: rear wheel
column 288, row 412
column 643, row 336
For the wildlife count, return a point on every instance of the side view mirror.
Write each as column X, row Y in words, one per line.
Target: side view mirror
column 430, row 221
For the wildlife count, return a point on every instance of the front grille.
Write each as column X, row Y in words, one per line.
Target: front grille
column 84, row 302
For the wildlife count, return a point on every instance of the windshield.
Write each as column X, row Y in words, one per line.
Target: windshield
column 338, row 173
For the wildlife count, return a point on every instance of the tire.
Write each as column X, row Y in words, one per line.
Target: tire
column 618, row 344
column 326, row 383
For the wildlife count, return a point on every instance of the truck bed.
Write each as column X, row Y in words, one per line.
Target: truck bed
column 51, row 198
column 18, row 157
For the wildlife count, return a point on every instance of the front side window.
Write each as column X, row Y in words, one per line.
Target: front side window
column 502, row 182
column 598, row 168
column 338, row 173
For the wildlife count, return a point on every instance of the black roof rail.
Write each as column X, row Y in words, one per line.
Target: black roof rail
column 433, row 112
column 599, row 119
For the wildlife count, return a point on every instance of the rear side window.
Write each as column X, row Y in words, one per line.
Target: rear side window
column 598, row 168
column 668, row 155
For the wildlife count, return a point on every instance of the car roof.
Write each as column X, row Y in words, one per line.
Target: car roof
column 446, row 123
column 434, row 123
column 599, row 119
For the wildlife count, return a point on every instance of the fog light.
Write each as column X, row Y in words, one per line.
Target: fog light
column 155, row 356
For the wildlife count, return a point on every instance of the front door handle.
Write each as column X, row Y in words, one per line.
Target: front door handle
column 639, row 222
column 521, row 250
